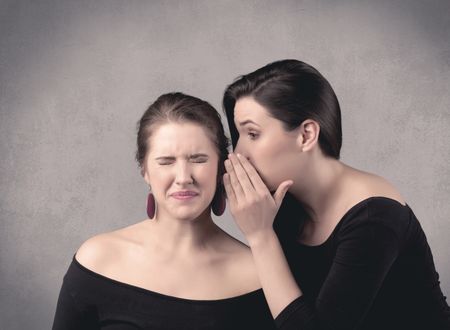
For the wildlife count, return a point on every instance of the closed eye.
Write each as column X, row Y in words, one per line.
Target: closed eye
column 199, row 159
column 165, row 160
column 196, row 158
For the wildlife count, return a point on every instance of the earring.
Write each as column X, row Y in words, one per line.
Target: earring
column 151, row 205
column 218, row 204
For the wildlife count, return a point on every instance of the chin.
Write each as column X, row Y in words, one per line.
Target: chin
column 273, row 186
column 185, row 216
column 270, row 184
column 269, row 180
column 188, row 216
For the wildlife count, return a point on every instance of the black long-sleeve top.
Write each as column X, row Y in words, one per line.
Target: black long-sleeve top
column 88, row 300
column 375, row 271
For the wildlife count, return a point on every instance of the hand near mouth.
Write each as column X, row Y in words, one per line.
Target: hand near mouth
column 251, row 203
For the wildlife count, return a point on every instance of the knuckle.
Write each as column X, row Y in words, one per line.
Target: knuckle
column 252, row 201
column 266, row 196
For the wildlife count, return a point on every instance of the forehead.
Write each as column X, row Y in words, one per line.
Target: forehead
column 180, row 138
column 246, row 108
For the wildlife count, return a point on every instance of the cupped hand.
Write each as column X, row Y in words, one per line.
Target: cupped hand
column 252, row 205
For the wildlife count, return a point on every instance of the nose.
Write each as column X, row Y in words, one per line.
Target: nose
column 183, row 174
column 239, row 148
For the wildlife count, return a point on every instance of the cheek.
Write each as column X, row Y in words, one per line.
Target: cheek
column 207, row 175
column 269, row 161
column 263, row 163
column 163, row 178
column 159, row 184
column 268, row 171
column 263, row 155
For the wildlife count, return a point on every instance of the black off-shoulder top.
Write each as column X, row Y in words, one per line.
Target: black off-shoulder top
column 89, row 300
column 375, row 271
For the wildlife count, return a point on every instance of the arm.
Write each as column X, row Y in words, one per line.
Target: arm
column 277, row 281
column 254, row 210
column 364, row 256
column 68, row 315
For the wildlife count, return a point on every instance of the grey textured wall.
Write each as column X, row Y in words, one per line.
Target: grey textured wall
column 75, row 76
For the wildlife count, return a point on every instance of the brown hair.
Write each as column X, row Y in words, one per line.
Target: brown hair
column 179, row 107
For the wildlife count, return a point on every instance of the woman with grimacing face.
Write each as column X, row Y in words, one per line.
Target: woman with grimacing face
column 342, row 250
column 176, row 269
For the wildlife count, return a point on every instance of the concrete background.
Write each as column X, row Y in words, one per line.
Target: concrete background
column 75, row 76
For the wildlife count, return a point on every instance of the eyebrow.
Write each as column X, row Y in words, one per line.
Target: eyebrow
column 248, row 121
column 165, row 158
column 193, row 156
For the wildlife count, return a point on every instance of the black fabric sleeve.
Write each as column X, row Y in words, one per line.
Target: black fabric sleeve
column 366, row 250
column 70, row 316
column 298, row 312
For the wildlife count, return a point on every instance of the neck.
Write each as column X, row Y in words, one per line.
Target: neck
column 182, row 236
column 318, row 187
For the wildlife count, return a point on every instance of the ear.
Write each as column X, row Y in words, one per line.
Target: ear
column 308, row 135
column 146, row 177
column 145, row 174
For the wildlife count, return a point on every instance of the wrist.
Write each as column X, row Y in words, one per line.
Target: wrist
column 262, row 238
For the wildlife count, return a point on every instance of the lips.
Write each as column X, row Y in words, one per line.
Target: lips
column 186, row 194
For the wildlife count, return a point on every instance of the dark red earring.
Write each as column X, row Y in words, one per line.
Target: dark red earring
column 151, row 205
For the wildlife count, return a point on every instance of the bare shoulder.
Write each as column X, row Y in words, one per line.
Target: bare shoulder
column 372, row 185
column 240, row 266
column 100, row 251
column 96, row 251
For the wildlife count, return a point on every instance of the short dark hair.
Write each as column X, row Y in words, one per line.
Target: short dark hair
column 292, row 91
column 179, row 107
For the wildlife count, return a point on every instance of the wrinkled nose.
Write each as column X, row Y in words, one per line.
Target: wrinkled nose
column 183, row 175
